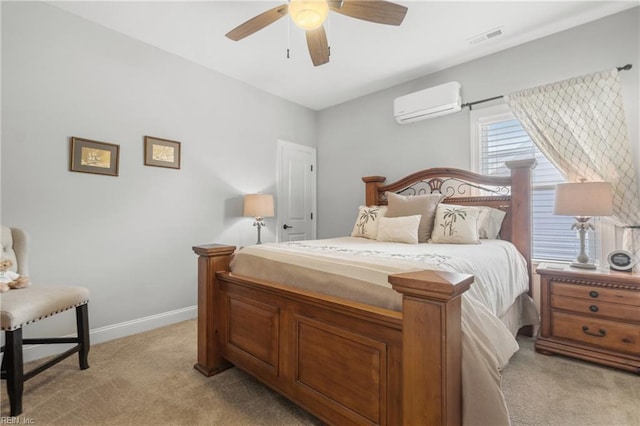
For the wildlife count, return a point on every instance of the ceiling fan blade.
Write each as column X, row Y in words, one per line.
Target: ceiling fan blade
column 257, row 23
column 318, row 46
column 381, row 12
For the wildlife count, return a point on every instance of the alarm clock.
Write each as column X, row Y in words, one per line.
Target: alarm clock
column 622, row 260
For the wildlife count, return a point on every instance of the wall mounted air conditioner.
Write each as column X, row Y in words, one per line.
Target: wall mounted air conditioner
column 428, row 103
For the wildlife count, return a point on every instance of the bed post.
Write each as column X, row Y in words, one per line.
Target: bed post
column 371, row 189
column 521, row 208
column 431, row 373
column 212, row 258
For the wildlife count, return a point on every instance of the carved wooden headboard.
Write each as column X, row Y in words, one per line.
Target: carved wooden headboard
column 512, row 194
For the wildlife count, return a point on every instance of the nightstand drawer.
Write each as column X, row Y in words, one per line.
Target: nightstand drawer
column 616, row 336
column 596, row 308
column 596, row 293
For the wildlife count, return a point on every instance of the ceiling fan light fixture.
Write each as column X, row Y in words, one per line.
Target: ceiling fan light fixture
column 308, row 14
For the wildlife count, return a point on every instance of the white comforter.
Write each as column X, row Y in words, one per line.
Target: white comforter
column 500, row 278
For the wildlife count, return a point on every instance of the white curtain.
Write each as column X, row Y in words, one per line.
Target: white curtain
column 579, row 125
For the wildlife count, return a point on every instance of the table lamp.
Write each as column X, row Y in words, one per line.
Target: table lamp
column 258, row 206
column 583, row 200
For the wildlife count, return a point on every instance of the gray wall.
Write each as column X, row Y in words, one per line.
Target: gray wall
column 361, row 138
column 128, row 238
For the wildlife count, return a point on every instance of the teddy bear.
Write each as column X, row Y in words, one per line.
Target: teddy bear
column 9, row 279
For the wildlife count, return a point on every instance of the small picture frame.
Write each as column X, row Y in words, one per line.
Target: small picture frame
column 87, row 156
column 161, row 152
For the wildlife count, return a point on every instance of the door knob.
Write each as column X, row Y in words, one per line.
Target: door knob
column 285, row 226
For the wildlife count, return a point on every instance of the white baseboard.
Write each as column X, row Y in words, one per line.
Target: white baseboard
column 110, row 332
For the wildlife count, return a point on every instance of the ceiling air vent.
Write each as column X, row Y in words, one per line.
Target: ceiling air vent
column 485, row 36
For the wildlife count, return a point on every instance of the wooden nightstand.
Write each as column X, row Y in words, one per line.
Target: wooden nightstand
column 593, row 315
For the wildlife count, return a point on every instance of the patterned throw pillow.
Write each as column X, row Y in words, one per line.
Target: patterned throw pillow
column 402, row 229
column 455, row 225
column 423, row 205
column 367, row 222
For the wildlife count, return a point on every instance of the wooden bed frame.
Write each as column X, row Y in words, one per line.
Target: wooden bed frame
column 347, row 362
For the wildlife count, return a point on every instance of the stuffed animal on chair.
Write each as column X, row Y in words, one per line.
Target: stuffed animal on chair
column 9, row 279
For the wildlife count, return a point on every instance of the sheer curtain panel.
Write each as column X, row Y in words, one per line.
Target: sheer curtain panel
column 579, row 125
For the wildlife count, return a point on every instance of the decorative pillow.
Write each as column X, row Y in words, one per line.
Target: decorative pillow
column 402, row 229
column 490, row 222
column 456, row 225
column 423, row 205
column 367, row 222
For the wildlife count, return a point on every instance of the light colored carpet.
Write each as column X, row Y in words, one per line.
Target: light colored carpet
column 556, row 390
column 148, row 379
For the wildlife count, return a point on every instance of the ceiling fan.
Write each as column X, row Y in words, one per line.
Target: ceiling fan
column 311, row 14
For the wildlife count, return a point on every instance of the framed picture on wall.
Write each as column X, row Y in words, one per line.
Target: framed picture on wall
column 89, row 156
column 161, row 152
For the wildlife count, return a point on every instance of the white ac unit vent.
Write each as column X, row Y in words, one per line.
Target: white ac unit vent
column 428, row 103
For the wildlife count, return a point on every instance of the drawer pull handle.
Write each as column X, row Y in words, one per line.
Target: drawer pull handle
column 625, row 340
column 601, row 333
column 593, row 294
column 593, row 308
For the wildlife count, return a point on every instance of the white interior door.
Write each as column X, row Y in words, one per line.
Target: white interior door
column 296, row 192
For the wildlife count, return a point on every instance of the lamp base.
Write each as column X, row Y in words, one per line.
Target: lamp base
column 583, row 265
column 582, row 225
column 259, row 223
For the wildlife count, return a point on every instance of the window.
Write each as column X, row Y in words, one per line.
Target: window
column 497, row 137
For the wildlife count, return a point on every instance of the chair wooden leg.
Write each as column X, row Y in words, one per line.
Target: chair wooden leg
column 82, row 322
column 3, row 367
column 15, row 369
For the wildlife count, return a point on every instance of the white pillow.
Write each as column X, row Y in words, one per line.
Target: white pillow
column 456, row 225
column 403, row 229
column 367, row 222
column 410, row 205
column 490, row 222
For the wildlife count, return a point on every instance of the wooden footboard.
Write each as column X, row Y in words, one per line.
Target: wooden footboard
column 345, row 362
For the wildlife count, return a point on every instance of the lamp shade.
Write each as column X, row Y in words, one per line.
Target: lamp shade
column 584, row 199
column 258, row 205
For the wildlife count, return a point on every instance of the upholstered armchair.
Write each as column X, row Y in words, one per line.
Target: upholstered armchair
column 19, row 307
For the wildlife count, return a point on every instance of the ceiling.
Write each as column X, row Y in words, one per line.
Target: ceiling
column 365, row 57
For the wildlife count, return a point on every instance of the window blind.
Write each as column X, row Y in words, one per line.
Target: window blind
column 503, row 140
